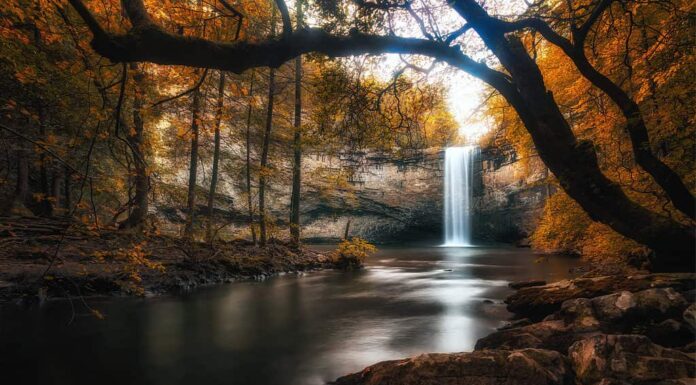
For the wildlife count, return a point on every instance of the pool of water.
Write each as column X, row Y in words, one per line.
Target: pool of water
column 290, row 330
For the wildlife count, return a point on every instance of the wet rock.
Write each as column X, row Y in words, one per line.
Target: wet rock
column 670, row 333
column 628, row 359
column 537, row 302
column 651, row 312
column 520, row 285
column 690, row 316
column 689, row 295
column 688, row 348
column 552, row 335
column 489, row 367
column 515, row 324
column 654, row 304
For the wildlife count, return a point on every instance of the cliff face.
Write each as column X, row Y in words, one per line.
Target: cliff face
column 402, row 200
column 386, row 199
column 392, row 200
column 512, row 197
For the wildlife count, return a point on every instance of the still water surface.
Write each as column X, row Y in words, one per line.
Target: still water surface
column 288, row 330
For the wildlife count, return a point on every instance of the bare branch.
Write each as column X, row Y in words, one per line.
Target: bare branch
column 456, row 33
column 383, row 5
column 285, row 16
column 152, row 44
column 184, row 93
column 581, row 33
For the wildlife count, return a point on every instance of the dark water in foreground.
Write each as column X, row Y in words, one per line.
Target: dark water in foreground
column 286, row 330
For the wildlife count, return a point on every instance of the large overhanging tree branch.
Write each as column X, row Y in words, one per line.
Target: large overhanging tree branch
column 148, row 42
column 665, row 177
column 574, row 163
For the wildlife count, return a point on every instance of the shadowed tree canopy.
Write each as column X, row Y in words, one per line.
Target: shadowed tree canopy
column 512, row 72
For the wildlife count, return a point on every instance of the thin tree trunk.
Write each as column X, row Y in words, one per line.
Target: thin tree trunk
column 297, row 146
column 264, row 158
column 45, row 204
column 266, row 143
column 248, row 159
column 55, row 188
column 139, row 207
column 22, row 192
column 216, row 156
column 17, row 205
column 193, row 164
column 66, row 190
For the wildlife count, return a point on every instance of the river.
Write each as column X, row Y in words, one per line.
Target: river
column 287, row 330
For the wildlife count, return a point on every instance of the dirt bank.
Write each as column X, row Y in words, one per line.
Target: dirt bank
column 42, row 259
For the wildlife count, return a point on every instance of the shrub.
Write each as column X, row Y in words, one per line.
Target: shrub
column 352, row 253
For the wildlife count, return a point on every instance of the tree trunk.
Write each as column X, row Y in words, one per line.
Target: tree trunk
column 67, row 194
column 216, row 157
column 45, row 206
column 266, row 143
column 575, row 163
column 665, row 177
column 22, row 192
column 55, row 188
column 264, row 158
column 139, row 205
column 17, row 205
column 248, row 159
column 297, row 146
column 193, row 164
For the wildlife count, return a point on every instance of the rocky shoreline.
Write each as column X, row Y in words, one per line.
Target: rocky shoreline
column 608, row 330
column 37, row 262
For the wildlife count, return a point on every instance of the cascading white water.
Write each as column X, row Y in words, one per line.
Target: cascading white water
column 459, row 178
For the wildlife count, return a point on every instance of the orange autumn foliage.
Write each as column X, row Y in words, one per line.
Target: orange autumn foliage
column 647, row 50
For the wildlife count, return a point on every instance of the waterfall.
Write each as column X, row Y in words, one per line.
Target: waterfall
column 459, row 179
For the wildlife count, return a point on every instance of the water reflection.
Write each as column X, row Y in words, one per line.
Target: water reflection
column 287, row 330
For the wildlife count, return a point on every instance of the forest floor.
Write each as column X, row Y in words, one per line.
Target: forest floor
column 48, row 258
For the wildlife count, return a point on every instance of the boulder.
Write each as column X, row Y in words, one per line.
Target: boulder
column 628, row 308
column 670, row 333
column 690, row 316
column 651, row 311
column 551, row 334
column 536, row 302
column 489, row 367
column 515, row 324
column 628, row 359
column 520, row 285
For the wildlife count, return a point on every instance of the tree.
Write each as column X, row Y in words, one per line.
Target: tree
column 216, row 155
column 297, row 145
column 573, row 161
column 135, row 139
column 247, row 156
column 193, row 162
column 263, row 173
